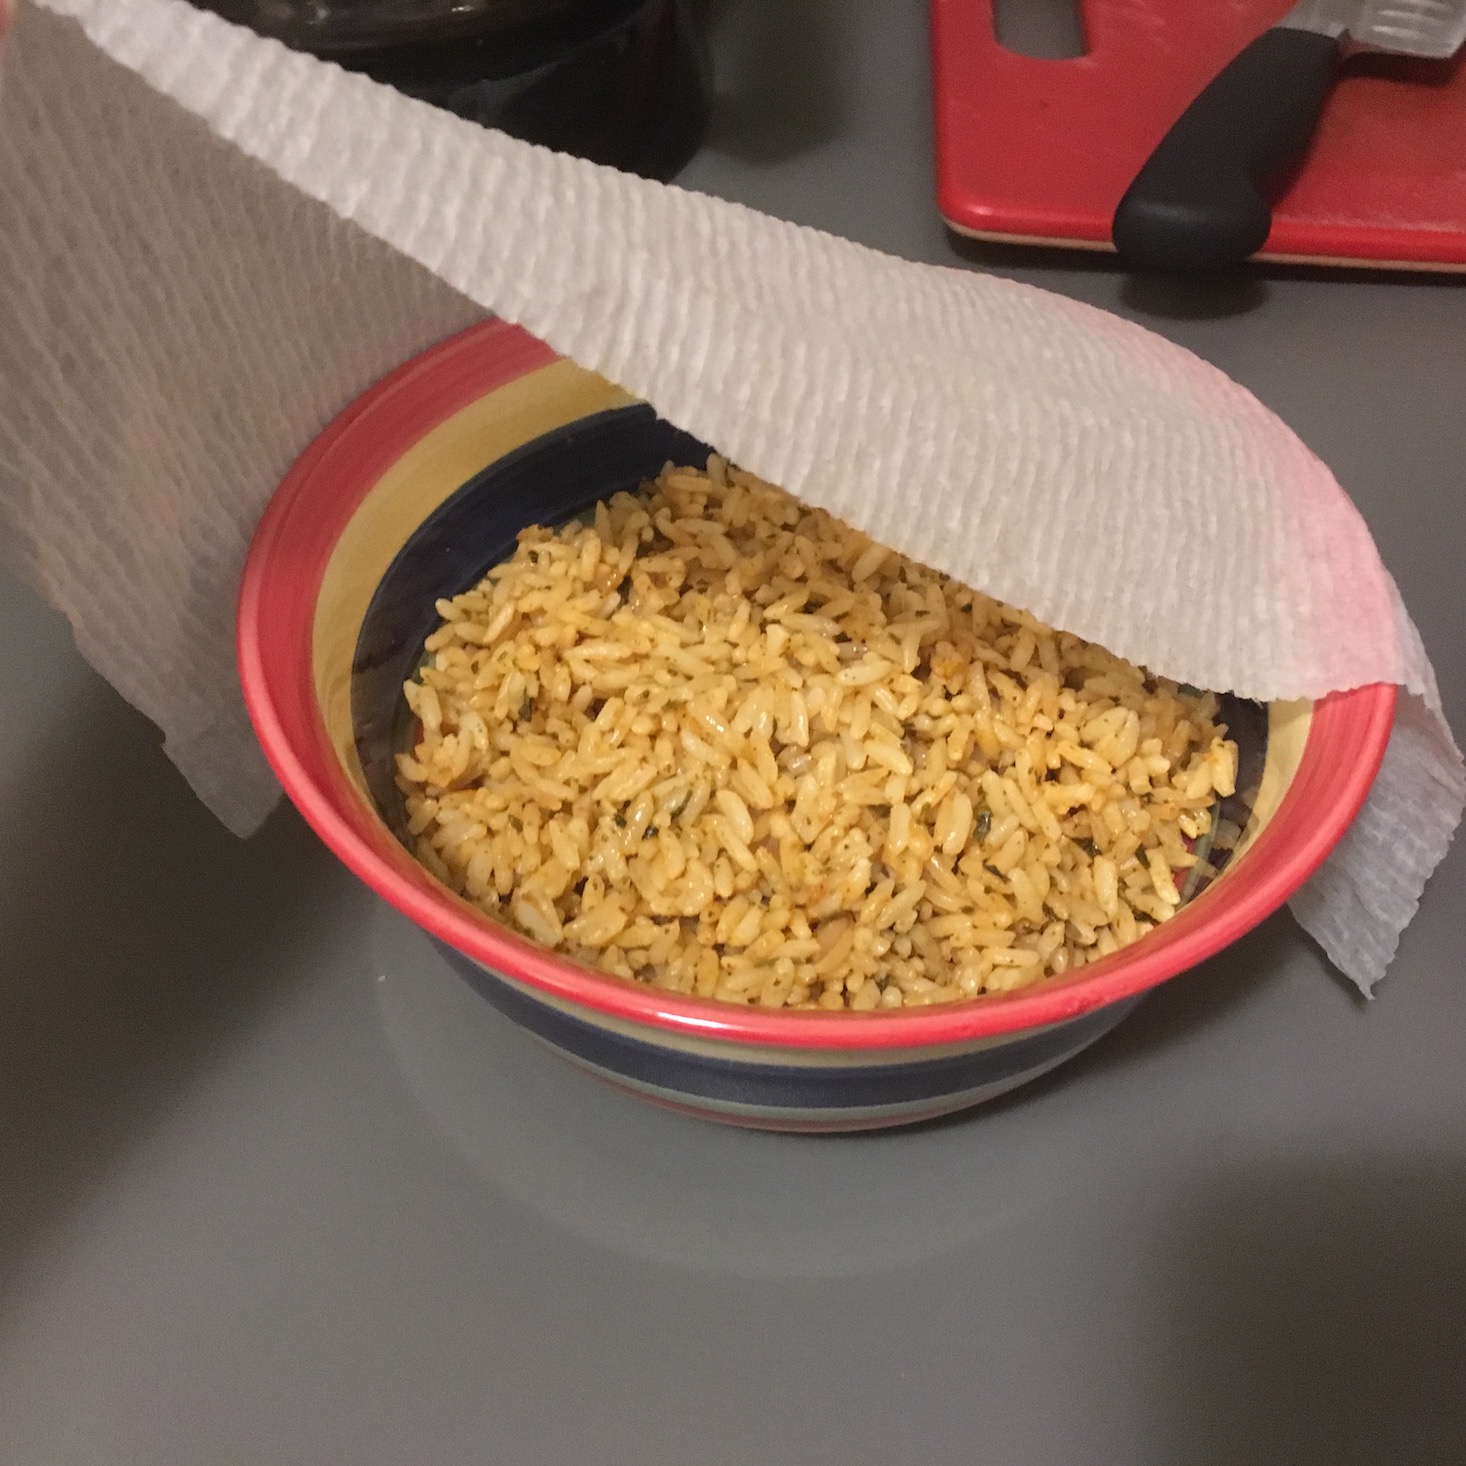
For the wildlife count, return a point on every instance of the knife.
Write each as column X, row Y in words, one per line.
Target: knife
column 1202, row 200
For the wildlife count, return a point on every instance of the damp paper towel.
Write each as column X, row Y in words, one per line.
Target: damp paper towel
column 210, row 244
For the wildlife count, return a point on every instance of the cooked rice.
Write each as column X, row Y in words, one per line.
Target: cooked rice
column 720, row 742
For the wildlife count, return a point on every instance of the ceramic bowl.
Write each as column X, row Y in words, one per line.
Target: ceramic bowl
column 421, row 485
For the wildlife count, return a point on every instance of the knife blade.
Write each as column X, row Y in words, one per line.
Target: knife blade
column 1434, row 29
column 1203, row 198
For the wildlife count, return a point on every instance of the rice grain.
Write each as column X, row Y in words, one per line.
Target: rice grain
column 717, row 741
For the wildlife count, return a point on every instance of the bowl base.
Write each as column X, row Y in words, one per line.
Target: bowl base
column 845, row 1121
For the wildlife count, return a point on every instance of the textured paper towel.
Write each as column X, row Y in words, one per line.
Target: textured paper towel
column 187, row 321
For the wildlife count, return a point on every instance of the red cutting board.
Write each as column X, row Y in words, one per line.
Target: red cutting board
column 1040, row 151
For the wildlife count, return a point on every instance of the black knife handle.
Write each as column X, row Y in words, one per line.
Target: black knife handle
column 1201, row 200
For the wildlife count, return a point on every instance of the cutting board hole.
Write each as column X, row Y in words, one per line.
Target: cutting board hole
column 1047, row 30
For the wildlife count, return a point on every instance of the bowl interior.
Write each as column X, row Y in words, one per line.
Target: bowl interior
column 550, row 480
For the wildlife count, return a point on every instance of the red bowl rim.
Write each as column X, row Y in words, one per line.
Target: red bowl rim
column 282, row 577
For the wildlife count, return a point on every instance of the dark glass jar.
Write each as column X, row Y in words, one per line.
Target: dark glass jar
column 621, row 82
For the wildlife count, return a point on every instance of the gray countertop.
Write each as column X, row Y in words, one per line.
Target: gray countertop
column 276, row 1188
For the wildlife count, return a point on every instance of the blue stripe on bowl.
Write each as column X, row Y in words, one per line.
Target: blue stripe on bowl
column 827, row 1120
column 1247, row 725
column 769, row 1084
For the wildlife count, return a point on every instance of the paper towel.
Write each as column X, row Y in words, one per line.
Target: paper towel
column 186, row 321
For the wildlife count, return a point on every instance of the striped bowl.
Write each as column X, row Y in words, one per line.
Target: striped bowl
column 422, row 484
